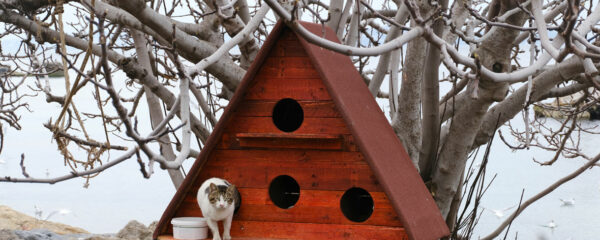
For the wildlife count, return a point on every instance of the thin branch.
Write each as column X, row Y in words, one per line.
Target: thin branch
column 73, row 174
column 538, row 196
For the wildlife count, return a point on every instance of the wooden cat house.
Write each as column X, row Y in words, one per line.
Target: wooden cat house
column 311, row 153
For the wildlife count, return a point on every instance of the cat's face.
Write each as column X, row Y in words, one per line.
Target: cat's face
column 221, row 196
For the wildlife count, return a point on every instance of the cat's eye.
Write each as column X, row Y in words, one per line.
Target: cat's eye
column 357, row 204
column 284, row 191
column 288, row 115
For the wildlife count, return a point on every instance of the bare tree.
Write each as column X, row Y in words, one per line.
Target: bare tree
column 456, row 72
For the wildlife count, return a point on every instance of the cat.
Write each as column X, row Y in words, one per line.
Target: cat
column 218, row 201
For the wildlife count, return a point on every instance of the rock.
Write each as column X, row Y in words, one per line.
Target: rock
column 101, row 237
column 6, row 234
column 11, row 219
column 152, row 226
column 135, row 230
column 39, row 234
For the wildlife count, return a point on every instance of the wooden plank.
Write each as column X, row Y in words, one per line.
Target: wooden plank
column 166, row 237
column 308, row 157
column 286, row 135
column 293, row 143
column 314, row 231
column 293, row 62
column 287, row 35
column 287, row 72
column 170, row 237
column 308, row 198
column 266, row 125
column 289, row 159
column 230, row 141
column 264, row 108
column 292, row 230
column 288, row 49
column 313, row 206
column 276, row 88
column 332, row 178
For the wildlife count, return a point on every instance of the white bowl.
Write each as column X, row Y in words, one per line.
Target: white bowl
column 189, row 228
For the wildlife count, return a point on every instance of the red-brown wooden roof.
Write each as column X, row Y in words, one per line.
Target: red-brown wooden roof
column 374, row 136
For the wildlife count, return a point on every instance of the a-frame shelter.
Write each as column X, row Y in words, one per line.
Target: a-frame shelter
column 311, row 153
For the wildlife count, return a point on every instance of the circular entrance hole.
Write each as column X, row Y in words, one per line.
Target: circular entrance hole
column 284, row 191
column 288, row 115
column 357, row 204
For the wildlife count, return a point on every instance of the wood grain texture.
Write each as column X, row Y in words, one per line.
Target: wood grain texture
column 309, row 157
column 232, row 141
column 277, row 88
column 294, row 141
column 264, row 108
column 280, row 230
column 331, row 178
column 309, row 126
column 313, row 206
column 250, row 152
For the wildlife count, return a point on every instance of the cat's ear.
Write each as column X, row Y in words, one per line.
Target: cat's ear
column 212, row 187
column 231, row 190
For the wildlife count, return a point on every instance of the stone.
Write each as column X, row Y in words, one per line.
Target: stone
column 6, row 234
column 135, row 230
column 39, row 234
column 101, row 237
column 14, row 220
column 152, row 226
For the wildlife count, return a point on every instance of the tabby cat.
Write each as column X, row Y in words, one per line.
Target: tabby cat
column 218, row 200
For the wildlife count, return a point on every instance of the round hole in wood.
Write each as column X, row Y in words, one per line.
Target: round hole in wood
column 284, row 191
column 288, row 115
column 357, row 204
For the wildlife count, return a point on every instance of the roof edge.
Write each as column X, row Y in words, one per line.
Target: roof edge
column 348, row 86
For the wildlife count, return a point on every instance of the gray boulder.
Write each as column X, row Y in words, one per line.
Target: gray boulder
column 38, row 234
column 135, row 230
column 6, row 234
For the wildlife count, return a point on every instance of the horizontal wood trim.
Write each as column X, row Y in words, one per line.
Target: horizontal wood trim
column 266, row 125
column 288, row 35
column 288, row 62
column 344, row 143
column 288, row 49
column 264, row 108
column 292, row 156
column 313, row 206
column 288, row 73
column 287, row 136
column 294, row 141
column 333, row 178
column 271, row 87
column 281, row 230
column 288, row 159
column 246, row 230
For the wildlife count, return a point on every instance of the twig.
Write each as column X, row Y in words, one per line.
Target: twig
column 61, row 133
column 73, row 174
column 23, row 170
column 541, row 194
